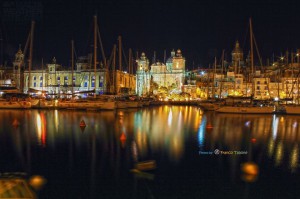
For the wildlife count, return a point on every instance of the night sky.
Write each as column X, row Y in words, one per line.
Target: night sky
column 200, row 28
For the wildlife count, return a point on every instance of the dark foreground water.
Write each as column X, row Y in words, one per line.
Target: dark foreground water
column 198, row 154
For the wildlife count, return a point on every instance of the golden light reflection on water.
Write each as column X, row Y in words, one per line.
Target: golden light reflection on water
column 270, row 148
column 163, row 130
column 56, row 120
column 279, row 133
column 279, row 154
column 41, row 128
column 294, row 160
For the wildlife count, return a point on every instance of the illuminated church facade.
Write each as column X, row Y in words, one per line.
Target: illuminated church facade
column 170, row 75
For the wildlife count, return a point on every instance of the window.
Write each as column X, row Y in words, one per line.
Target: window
column 34, row 77
column 34, row 84
column 85, row 84
column 258, row 88
column 258, row 82
column 41, row 78
column 41, row 84
column 66, row 80
column 100, row 84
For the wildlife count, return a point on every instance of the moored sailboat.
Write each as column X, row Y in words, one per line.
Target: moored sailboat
column 95, row 104
column 246, row 109
column 210, row 105
column 292, row 109
column 14, row 104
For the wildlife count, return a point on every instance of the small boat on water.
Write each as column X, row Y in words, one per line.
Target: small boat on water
column 43, row 103
column 292, row 109
column 246, row 109
column 209, row 106
column 14, row 104
column 122, row 102
column 146, row 165
column 127, row 104
column 146, row 101
column 15, row 188
column 95, row 104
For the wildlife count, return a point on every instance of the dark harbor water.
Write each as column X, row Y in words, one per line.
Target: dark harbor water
column 198, row 154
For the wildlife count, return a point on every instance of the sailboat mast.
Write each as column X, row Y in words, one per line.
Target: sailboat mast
column 114, row 69
column 120, row 53
column 72, row 63
column 101, row 46
column 130, row 66
column 251, row 47
column 43, row 76
column 130, row 62
column 213, row 82
column 30, row 54
column 1, row 58
column 222, row 63
column 95, row 52
column 297, row 77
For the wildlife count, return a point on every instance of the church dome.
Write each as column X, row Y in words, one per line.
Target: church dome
column 178, row 53
column 237, row 48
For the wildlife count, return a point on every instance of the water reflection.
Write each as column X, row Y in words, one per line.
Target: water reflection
column 51, row 143
column 275, row 137
column 165, row 130
column 152, row 131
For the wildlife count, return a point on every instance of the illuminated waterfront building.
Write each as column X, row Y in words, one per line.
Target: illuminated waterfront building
column 18, row 67
column 170, row 75
column 125, row 82
column 280, row 80
column 58, row 81
column 142, row 76
column 55, row 80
